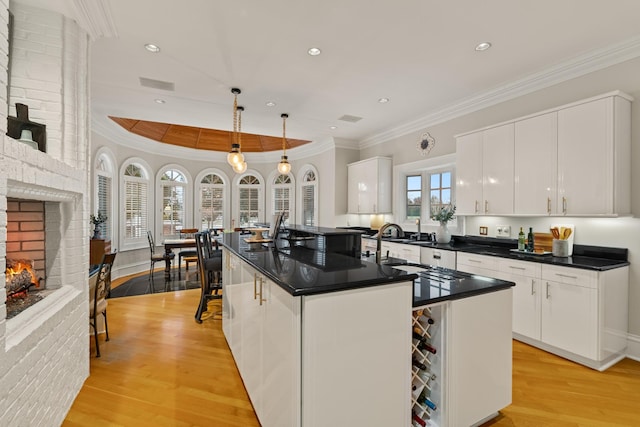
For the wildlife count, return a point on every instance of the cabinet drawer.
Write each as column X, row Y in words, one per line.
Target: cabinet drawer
column 570, row 276
column 520, row 268
column 482, row 261
column 410, row 253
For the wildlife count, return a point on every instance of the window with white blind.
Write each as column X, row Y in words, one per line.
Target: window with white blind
column 282, row 191
column 173, row 186
column 249, row 194
column 212, row 206
column 134, row 219
column 103, row 195
column 309, row 198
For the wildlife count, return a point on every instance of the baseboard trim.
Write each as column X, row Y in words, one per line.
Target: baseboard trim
column 633, row 347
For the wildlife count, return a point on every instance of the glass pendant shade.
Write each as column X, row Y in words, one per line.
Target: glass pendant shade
column 284, row 167
column 235, row 156
column 240, row 167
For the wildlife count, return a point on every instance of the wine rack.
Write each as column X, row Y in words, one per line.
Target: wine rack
column 426, row 378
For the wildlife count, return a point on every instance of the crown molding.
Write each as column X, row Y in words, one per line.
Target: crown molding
column 564, row 71
column 94, row 16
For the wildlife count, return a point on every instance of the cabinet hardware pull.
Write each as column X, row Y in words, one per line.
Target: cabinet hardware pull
column 262, row 299
column 533, row 288
column 474, row 260
column 549, row 205
column 567, row 276
column 516, row 268
column 436, row 256
column 564, row 205
column 476, row 207
column 547, row 290
column 255, row 290
column 486, row 206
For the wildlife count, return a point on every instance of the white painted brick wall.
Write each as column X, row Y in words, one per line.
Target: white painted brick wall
column 44, row 351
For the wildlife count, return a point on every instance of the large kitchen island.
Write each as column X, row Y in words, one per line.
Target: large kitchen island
column 327, row 339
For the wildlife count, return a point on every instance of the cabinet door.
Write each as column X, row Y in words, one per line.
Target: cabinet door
column 585, row 158
column 252, row 332
column 536, row 165
column 281, row 355
column 232, row 301
column 497, row 170
column 526, row 304
column 352, row 189
column 438, row 258
column 569, row 318
column 469, row 174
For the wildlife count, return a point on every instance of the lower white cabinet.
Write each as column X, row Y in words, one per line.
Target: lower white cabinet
column 319, row 360
column 578, row 314
column 438, row 257
column 411, row 253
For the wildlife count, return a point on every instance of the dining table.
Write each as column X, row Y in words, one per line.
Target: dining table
column 169, row 246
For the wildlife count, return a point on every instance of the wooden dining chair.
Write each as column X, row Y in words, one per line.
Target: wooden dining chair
column 156, row 257
column 209, row 286
column 99, row 286
column 188, row 255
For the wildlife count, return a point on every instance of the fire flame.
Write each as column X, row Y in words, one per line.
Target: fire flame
column 17, row 268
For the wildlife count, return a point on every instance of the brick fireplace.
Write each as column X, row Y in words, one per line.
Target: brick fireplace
column 44, row 350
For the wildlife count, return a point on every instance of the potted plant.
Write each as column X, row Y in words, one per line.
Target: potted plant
column 443, row 216
column 97, row 220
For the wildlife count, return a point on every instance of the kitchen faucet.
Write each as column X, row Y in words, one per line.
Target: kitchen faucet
column 379, row 243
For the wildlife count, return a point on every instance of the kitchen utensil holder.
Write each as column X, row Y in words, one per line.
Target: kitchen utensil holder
column 560, row 248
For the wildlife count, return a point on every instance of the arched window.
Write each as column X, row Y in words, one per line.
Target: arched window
column 173, row 202
column 309, row 196
column 135, row 199
column 282, row 197
column 103, row 192
column 212, row 202
column 249, row 205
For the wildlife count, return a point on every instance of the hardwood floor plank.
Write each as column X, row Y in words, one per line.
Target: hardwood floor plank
column 161, row 368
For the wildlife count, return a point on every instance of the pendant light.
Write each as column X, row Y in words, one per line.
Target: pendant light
column 241, row 166
column 235, row 156
column 284, row 167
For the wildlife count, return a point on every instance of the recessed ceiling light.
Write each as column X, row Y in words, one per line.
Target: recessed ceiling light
column 383, row 100
column 333, row 127
column 483, row 46
column 270, row 104
column 152, row 47
column 314, row 51
column 159, row 101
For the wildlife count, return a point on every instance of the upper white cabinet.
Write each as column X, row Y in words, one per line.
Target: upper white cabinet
column 571, row 160
column 484, row 170
column 594, row 152
column 369, row 186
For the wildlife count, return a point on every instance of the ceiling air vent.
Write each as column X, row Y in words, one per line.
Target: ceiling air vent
column 156, row 84
column 351, row 119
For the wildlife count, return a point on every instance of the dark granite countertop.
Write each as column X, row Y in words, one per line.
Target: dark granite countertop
column 321, row 231
column 587, row 257
column 438, row 284
column 302, row 271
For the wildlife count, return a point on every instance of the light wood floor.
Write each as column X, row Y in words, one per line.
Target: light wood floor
column 161, row 368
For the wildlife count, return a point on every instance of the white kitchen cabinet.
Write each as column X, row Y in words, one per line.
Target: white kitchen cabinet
column 369, row 186
column 526, row 294
column 594, row 149
column 482, row 265
column 536, row 165
column 484, row 170
column 410, row 253
column 438, row 257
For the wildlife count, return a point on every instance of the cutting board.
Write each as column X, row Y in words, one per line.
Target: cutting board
column 542, row 242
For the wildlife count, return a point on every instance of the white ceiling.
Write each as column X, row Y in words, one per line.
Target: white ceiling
column 418, row 53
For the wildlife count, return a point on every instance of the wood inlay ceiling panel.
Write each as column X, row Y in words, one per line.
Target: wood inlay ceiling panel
column 202, row 138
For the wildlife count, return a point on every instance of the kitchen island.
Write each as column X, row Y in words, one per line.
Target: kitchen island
column 326, row 339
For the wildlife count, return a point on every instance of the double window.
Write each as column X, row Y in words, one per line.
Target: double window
column 173, row 185
column 212, row 206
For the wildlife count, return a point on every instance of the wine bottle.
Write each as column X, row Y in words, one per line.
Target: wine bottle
column 419, row 420
column 430, row 404
column 419, row 364
column 419, row 337
column 423, row 345
column 521, row 241
column 426, row 319
column 530, row 240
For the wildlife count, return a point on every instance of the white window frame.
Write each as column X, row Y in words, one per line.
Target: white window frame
column 141, row 242
column 446, row 163
column 302, row 173
column 271, row 196
column 226, row 205
column 188, row 201
column 105, row 166
column 236, row 195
